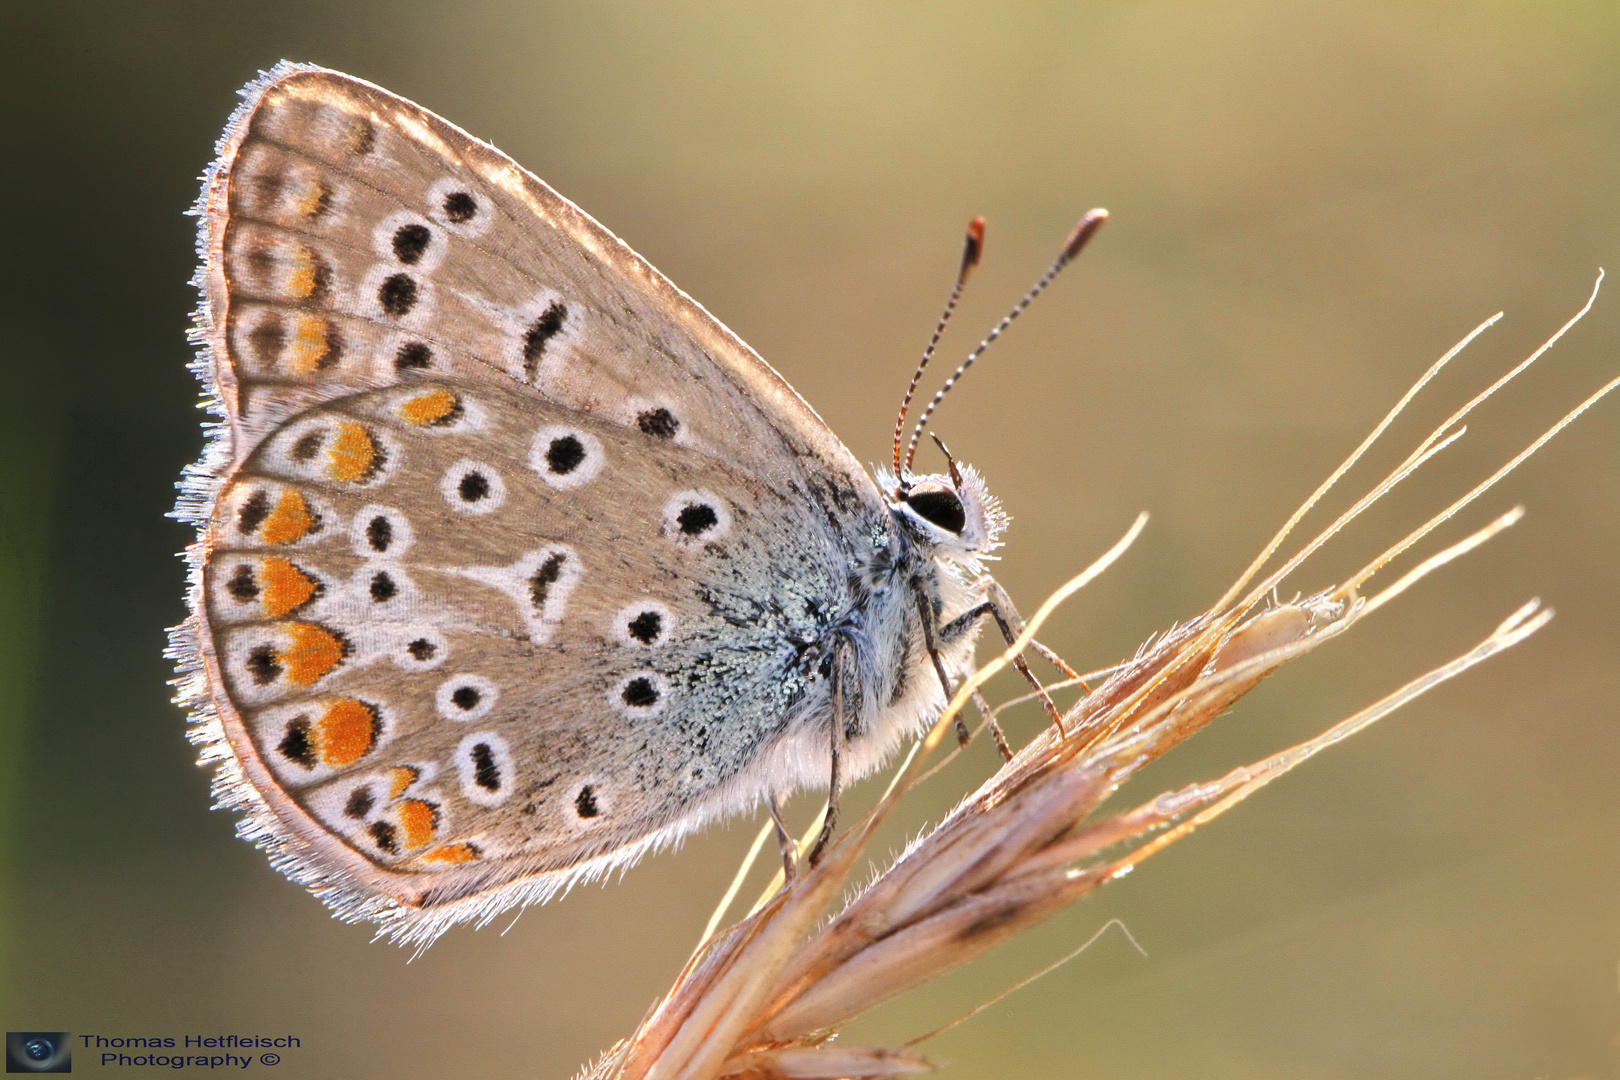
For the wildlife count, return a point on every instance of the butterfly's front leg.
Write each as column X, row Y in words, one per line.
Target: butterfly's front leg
column 999, row 606
column 842, row 658
column 925, row 616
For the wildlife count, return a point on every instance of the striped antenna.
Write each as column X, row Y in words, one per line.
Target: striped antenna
column 1082, row 232
column 971, row 250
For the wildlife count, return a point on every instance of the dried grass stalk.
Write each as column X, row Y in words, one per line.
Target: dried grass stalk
column 765, row 997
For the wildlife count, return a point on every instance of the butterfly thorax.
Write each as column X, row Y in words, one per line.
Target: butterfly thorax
column 940, row 530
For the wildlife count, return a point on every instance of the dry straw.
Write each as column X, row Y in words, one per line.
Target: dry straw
column 766, row 997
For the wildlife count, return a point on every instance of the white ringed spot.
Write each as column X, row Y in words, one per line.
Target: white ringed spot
column 396, row 296
column 539, row 336
column 410, row 240
column 643, row 624
column 381, row 591
column 658, row 419
column 471, row 487
column 565, row 457
column 640, row 695
column 465, row 697
column 484, row 766
column 380, row 532
column 696, row 517
column 420, row 648
column 459, row 207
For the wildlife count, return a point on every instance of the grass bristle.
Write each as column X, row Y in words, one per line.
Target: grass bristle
column 763, row 997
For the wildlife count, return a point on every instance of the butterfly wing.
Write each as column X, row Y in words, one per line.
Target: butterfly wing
column 346, row 229
column 509, row 551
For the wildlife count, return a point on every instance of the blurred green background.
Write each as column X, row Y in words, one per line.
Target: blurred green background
column 1310, row 202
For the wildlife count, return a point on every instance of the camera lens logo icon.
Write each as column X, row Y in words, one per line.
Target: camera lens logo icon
column 39, row 1052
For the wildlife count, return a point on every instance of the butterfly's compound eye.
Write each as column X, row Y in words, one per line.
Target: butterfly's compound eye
column 939, row 506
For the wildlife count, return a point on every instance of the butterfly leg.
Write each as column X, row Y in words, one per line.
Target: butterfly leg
column 925, row 615
column 989, row 717
column 999, row 606
column 840, row 656
column 1061, row 664
column 784, row 840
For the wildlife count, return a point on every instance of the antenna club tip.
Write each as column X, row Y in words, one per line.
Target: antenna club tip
column 973, row 247
column 1083, row 231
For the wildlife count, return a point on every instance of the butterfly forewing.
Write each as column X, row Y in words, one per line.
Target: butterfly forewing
column 364, row 238
column 483, row 547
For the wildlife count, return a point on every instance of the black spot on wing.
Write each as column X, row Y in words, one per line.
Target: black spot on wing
column 697, row 519
column 413, row 356
column 486, row 774
column 251, row 514
column 263, row 665
column 564, row 455
column 646, row 627
column 360, row 803
column 242, row 586
column 385, row 836
column 410, row 242
column 307, row 446
column 383, row 588
column 296, row 745
column 267, row 340
column 544, row 577
column 659, row 423
column 379, row 534
column 539, row 335
column 459, row 207
column 473, row 487
column 398, row 294
column 640, row 693
column 362, row 136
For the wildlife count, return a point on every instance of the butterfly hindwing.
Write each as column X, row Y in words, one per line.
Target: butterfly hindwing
column 477, row 636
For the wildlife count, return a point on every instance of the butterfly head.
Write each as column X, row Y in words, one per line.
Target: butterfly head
column 950, row 515
column 953, row 517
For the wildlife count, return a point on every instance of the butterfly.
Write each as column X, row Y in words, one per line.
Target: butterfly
column 513, row 563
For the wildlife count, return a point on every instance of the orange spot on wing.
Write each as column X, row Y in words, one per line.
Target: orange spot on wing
column 352, row 455
column 348, row 731
column 312, row 652
column 310, row 344
column 285, row 587
column 290, row 520
column 452, row 853
column 302, row 272
column 418, row 821
column 313, row 200
column 428, row 408
column 400, row 778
